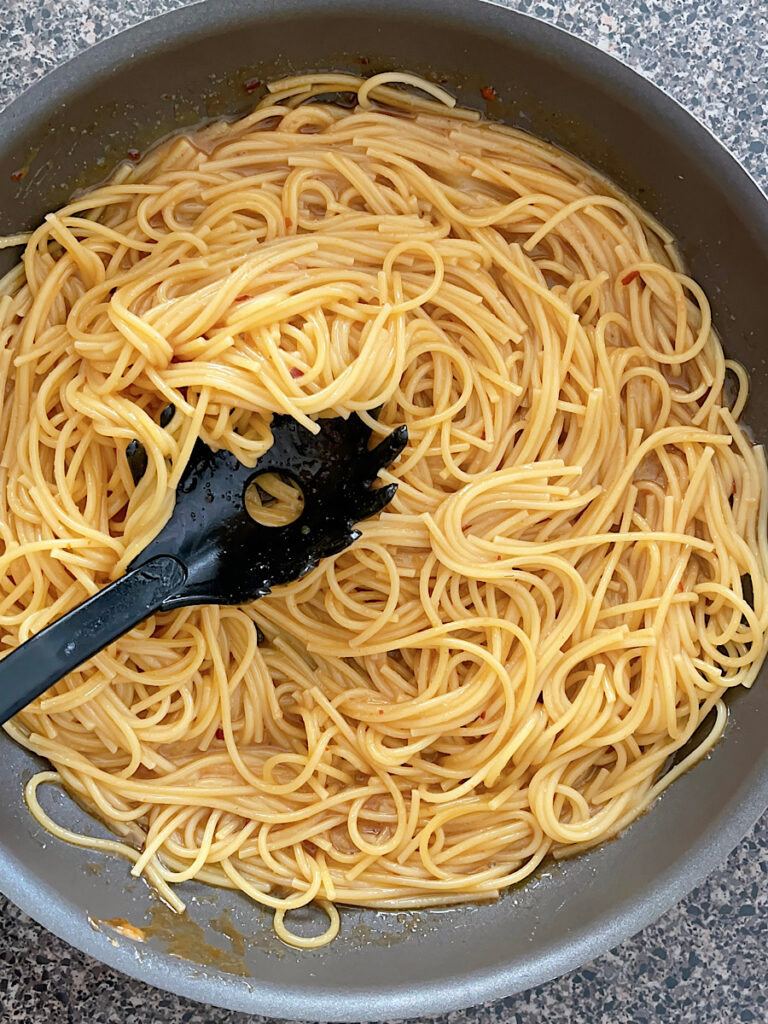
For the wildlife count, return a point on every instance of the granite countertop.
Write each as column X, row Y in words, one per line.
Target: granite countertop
column 705, row 961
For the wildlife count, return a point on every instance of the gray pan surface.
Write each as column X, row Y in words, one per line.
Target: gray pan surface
column 177, row 70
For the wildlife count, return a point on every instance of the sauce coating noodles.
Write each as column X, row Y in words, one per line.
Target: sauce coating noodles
column 573, row 571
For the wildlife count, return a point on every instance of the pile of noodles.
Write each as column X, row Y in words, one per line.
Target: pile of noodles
column 570, row 578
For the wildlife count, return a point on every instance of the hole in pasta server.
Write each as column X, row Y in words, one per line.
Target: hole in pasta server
column 272, row 499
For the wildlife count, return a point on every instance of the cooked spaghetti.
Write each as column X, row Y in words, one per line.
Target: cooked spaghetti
column 570, row 578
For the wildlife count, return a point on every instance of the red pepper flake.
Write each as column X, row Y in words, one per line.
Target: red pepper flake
column 482, row 714
column 365, row 60
column 133, row 154
column 18, row 175
column 296, row 372
column 630, row 277
column 252, row 85
column 288, row 222
column 219, row 734
column 488, row 93
column 165, row 96
column 733, row 487
column 680, row 587
column 482, row 435
column 243, row 298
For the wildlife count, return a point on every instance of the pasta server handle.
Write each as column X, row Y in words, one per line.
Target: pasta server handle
column 74, row 638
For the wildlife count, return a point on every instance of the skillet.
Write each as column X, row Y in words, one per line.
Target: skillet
column 193, row 64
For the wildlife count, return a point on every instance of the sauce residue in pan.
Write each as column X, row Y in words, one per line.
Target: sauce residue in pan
column 182, row 937
column 226, row 926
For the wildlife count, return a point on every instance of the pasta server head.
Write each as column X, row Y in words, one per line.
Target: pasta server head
column 211, row 551
column 229, row 557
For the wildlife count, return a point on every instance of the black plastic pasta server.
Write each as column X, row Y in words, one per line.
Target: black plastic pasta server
column 211, row 551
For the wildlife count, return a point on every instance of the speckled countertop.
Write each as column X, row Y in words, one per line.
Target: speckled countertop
column 704, row 962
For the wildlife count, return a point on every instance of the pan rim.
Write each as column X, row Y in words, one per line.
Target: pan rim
column 49, row 906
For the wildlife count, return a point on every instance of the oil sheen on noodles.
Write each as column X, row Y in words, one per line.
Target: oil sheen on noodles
column 572, row 574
